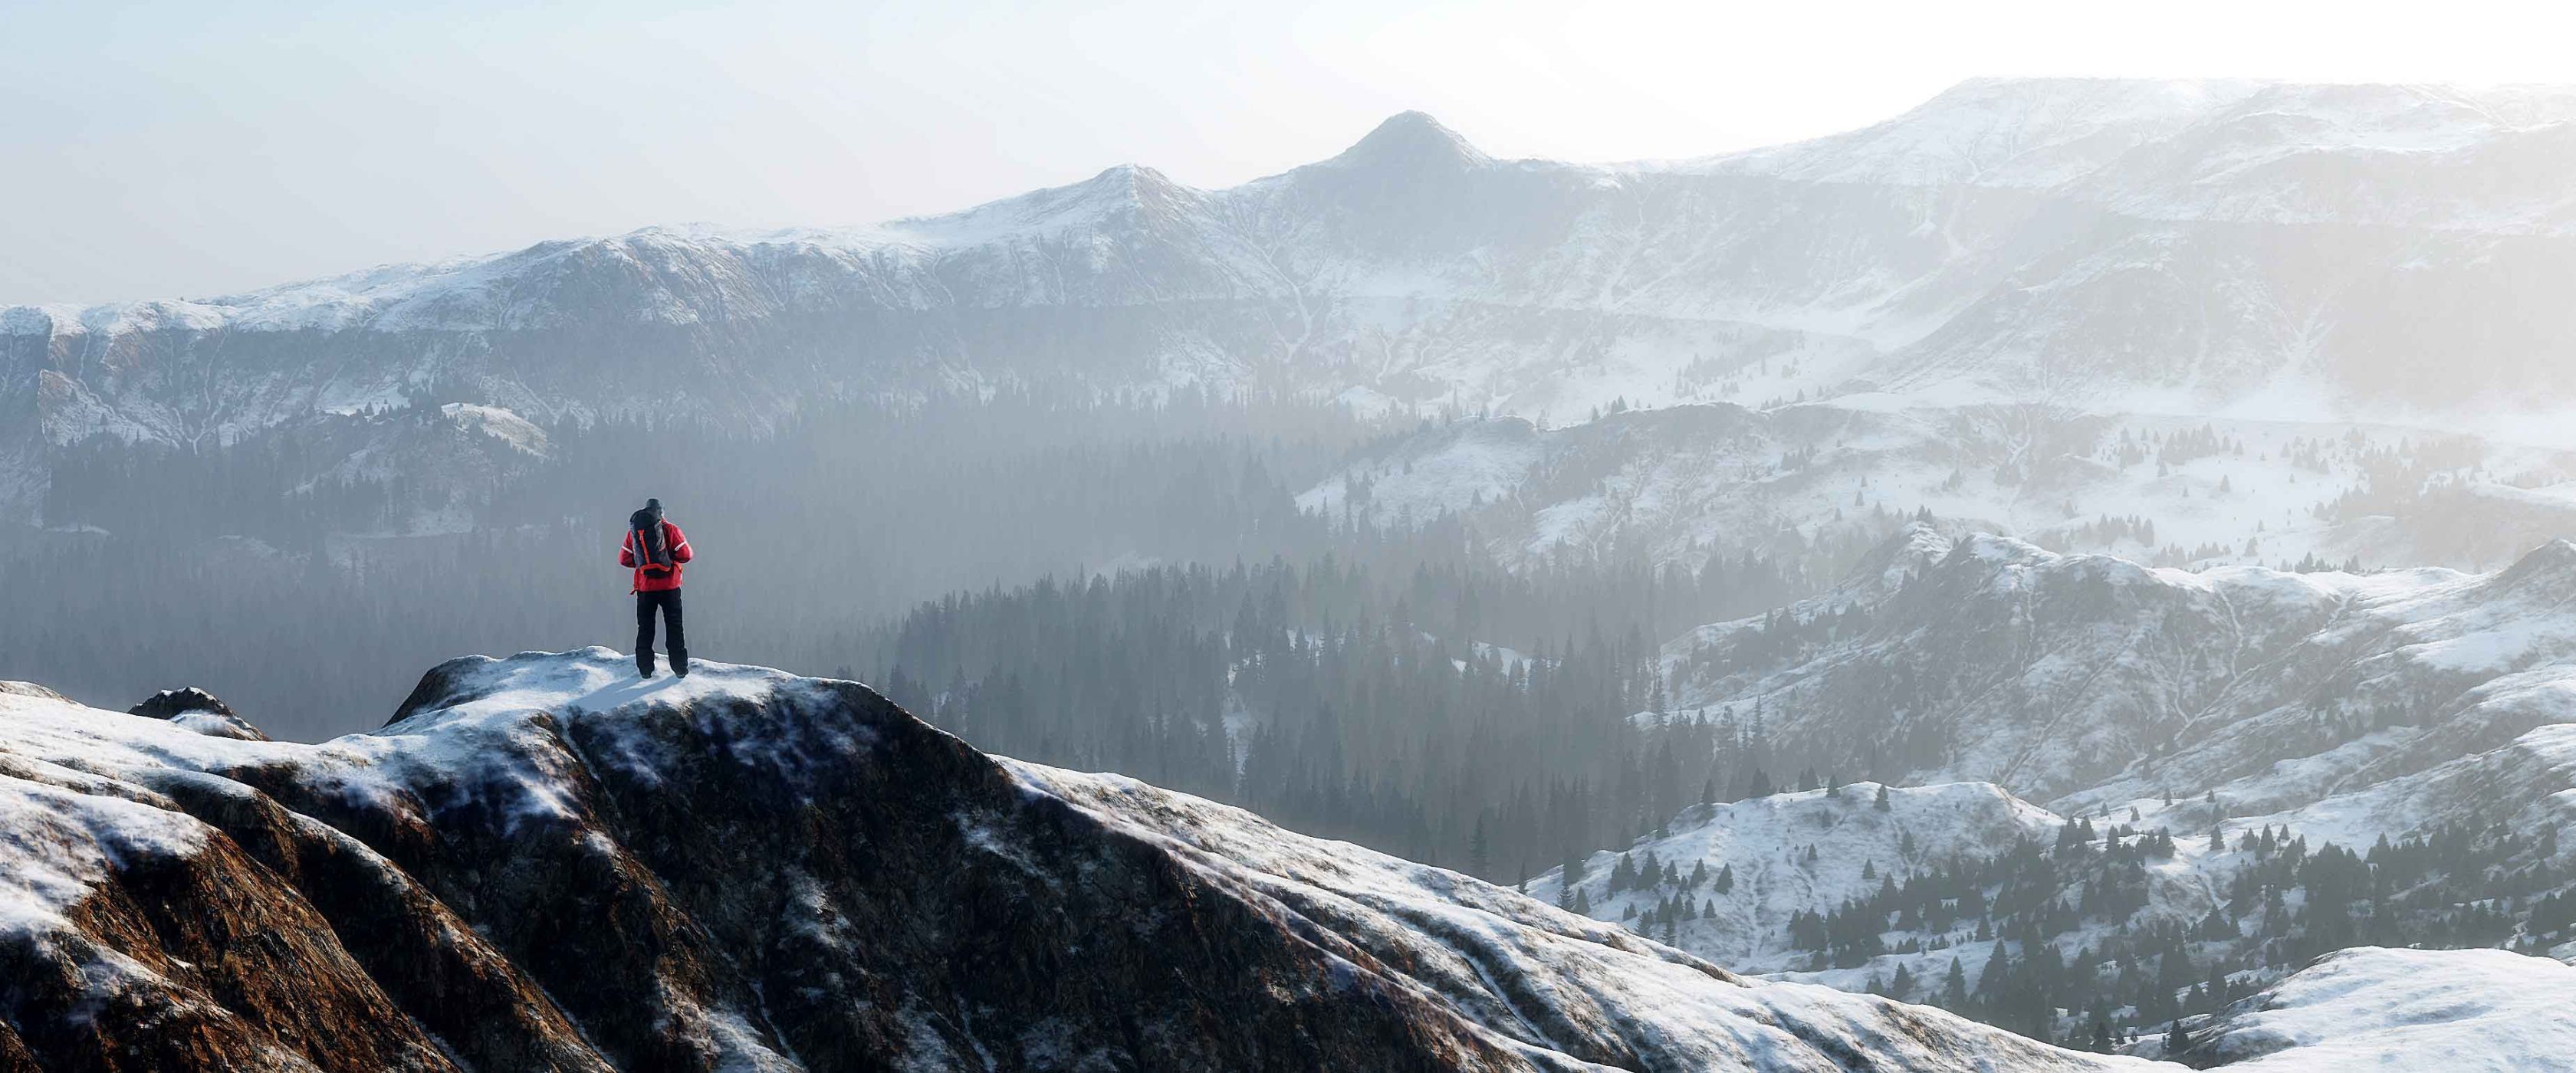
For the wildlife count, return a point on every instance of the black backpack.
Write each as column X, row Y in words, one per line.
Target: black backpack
column 652, row 543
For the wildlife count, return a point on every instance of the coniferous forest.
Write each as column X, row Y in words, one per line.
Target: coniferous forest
column 2060, row 946
column 1352, row 696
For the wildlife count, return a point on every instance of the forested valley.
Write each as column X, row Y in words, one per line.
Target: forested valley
column 1359, row 694
column 2061, row 946
column 1410, row 686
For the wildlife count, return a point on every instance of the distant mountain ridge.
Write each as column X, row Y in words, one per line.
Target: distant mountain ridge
column 2014, row 273
column 2340, row 234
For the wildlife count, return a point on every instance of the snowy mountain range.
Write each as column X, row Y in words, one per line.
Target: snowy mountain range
column 1998, row 284
column 543, row 863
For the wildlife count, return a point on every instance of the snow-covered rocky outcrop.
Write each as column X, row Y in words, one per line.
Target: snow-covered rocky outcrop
column 545, row 863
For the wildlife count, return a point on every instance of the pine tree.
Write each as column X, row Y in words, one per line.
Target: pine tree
column 1954, row 988
column 1880, row 802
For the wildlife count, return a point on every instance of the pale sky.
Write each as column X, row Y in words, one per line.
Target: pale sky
column 198, row 148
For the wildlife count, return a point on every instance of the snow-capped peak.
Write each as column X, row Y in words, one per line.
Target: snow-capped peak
column 1411, row 140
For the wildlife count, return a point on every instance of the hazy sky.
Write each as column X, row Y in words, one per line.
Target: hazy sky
column 153, row 150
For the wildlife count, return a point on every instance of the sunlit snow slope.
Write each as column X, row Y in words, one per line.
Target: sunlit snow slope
column 2464, row 1011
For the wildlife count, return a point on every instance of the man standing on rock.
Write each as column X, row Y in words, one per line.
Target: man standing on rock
column 657, row 550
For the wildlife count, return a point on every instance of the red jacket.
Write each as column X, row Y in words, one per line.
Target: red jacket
column 673, row 538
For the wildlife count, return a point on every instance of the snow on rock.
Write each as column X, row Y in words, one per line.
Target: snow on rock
column 2462, row 1011
column 548, row 840
column 1562, row 977
column 58, row 844
column 749, row 870
column 199, row 711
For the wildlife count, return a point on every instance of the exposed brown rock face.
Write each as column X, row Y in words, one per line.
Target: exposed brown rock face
column 13, row 1054
column 545, row 865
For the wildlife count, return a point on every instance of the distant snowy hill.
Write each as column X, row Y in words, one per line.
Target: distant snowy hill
column 2471, row 1011
column 2090, row 681
column 1761, row 844
column 1801, row 479
column 2036, row 266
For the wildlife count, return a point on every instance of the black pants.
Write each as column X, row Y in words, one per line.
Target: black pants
column 669, row 602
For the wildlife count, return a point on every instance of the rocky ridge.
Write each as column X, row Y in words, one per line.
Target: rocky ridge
column 545, row 863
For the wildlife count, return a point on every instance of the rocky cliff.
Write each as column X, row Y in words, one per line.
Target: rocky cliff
column 544, row 863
